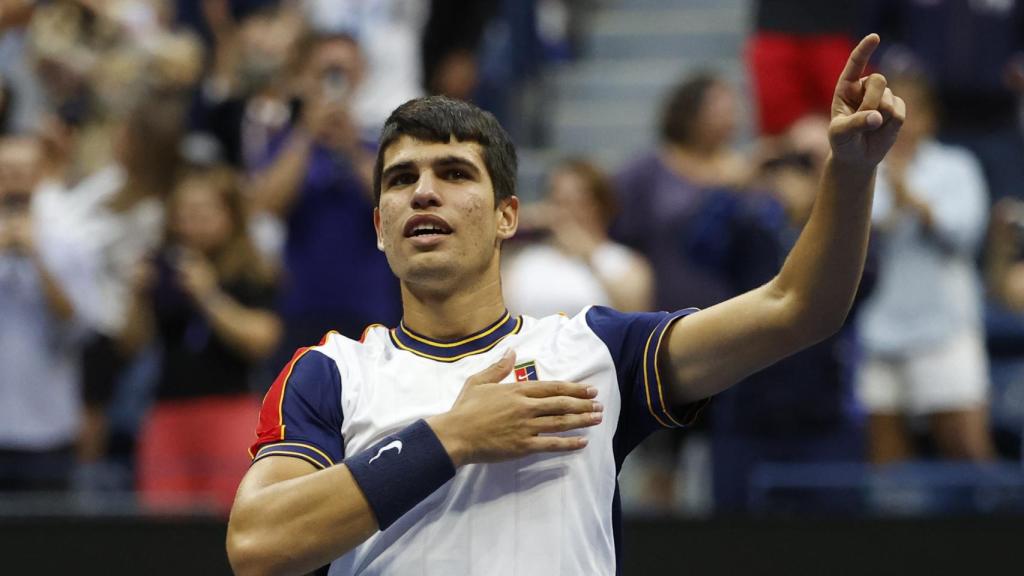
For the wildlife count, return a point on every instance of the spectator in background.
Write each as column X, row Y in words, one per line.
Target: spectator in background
column 802, row 409
column 922, row 325
column 451, row 42
column 661, row 191
column 118, row 212
column 247, row 97
column 40, row 332
column 797, row 51
column 662, row 194
column 510, row 59
column 206, row 301
column 315, row 178
column 974, row 53
column 119, row 83
column 390, row 34
column 20, row 90
column 576, row 264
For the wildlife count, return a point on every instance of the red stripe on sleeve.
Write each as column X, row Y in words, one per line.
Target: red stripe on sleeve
column 270, row 427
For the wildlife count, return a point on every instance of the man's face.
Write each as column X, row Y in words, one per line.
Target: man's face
column 335, row 69
column 267, row 41
column 718, row 116
column 200, row 217
column 570, row 196
column 437, row 220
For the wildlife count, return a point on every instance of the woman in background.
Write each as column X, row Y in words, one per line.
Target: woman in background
column 576, row 264
column 922, row 327
column 662, row 190
column 207, row 302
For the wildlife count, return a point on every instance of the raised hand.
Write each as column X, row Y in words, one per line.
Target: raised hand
column 866, row 115
column 491, row 422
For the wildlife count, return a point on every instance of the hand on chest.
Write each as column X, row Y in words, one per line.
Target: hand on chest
column 399, row 392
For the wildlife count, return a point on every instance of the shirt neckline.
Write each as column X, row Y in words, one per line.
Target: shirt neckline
column 452, row 350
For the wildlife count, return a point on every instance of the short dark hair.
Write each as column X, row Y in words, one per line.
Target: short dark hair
column 682, row 107
column 438, row 119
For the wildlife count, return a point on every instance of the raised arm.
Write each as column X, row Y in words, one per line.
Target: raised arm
column 810, row 297
column 276, row 187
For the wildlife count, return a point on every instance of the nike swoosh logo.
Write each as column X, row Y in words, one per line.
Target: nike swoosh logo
column 394, row 445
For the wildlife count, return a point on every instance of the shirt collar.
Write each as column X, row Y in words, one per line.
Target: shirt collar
column 452, row 350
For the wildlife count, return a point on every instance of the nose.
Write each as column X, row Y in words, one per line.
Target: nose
column 425, row 195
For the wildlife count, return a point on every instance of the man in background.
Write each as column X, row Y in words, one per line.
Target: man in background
column 39, row 335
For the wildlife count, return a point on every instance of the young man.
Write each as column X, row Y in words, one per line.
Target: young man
column 424, row 450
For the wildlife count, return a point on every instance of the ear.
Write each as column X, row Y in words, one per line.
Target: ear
column 376, row 227
column 508, row 217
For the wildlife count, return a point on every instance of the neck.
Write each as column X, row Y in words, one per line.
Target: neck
column 454, row 311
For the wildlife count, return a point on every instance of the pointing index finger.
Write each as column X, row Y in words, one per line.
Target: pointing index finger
column 859, row 58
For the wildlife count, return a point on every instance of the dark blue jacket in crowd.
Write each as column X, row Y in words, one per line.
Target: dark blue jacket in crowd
column 799, row 410
column 963, row 45
column 334, row 274
column 746, row 240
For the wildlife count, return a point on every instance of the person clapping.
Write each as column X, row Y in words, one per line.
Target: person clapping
column 206, row 301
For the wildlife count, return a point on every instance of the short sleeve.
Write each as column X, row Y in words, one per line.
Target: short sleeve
column 634, row 341
column 301, row 415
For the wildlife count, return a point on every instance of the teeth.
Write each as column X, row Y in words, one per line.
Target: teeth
column 428, row 229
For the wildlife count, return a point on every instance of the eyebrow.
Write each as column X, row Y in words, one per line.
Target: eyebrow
column 442, row 162
column 396, row 168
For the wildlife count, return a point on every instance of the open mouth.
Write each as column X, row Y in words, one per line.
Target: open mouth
column 426, row 225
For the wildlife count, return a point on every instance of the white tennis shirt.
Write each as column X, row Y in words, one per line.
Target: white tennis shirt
column 544, row 514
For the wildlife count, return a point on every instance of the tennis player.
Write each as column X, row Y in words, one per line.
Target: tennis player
column 466, row 441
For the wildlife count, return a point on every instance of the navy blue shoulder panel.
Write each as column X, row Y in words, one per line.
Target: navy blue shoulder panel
column 302, row 415
column 634, row 341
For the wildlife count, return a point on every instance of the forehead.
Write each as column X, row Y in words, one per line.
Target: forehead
column 409, row 149
column 19, row 150
column 913, row 92
column 333, row 50
column 195, row 191
column 567, row 178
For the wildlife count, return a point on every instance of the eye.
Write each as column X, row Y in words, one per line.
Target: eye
column 402, row 179
column 456, row 174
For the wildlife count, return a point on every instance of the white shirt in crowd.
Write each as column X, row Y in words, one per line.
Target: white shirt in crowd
column 390, row 35
column 541, row 280
column 928, row 287
column 40, row 395
column 112, row 243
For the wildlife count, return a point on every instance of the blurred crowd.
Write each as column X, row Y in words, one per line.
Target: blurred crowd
column 185, row 201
